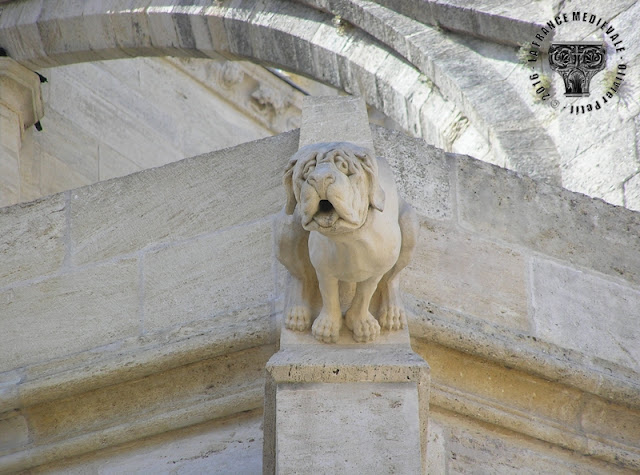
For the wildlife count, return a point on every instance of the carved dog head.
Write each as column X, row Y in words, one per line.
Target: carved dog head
column 333, row 185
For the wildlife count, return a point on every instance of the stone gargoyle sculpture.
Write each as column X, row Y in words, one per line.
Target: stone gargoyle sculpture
column 343, row 223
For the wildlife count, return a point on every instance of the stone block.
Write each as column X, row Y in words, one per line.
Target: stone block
column 348, row 428
column 142, row 399
column 320, row 399
column 213, row 192
column 320, row 121
column 472, row 447
column 422, row 172
column 212, row 275
column 578, row 310
column 458, row 270
column 358, row 65
column 33, row 242
column 476, row 379
column 595, row 167
column 68, row 313
column 91, row 111
column 565, row 225
column 231, row 445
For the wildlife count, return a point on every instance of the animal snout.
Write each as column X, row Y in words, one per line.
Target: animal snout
column 321, row 181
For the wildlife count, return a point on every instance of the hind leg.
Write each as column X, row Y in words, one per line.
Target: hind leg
column 391, row 313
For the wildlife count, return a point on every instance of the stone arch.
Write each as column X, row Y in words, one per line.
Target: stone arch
column 397, row 78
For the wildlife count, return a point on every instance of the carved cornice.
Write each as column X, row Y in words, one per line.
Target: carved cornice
column 251, row 336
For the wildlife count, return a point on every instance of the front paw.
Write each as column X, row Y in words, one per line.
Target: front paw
column 298, row 318
column 392, row 317
column 327, row 328
column 364, row 329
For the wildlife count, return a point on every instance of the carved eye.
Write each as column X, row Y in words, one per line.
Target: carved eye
column 342, row 165
column 308, row 168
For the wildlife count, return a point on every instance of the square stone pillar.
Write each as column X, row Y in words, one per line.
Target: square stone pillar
column 346, row 407
column 20, row 108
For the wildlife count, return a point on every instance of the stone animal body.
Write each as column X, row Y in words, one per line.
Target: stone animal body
column 343, row 222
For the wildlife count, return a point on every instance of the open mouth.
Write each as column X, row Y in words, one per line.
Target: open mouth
column 325, row 206
column 326, row 216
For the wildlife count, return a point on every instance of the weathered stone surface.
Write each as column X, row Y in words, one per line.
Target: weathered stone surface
column 595, row 168
column 460, row 271
column 33, row 242
column 14, row 431
column 578, row 310
column 58, row 175
column 423, row 173
column 632, row 193
column 215, row 191
column 380, row 416
column 526, row 353
column 64, row 140
column 472, row 447
column 621, row 423
column 112, row 164
column 209, row 379
column 217, row 447
column 474, row 377
column 556, row 222
column 69, row 313
column 216, row 274
column 335, row 119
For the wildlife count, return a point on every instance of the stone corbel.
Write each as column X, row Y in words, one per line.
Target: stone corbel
column 20, row 93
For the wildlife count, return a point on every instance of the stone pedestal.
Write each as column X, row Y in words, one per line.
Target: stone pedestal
column 345, row 407
column 20, row 108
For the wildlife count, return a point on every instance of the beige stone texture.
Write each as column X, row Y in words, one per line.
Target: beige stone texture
column 116, row 405
column 112, row 164
column 103, row 225
column 33, row 239
column 227, row 271
column 218, row 447
column 380, row 416
column 460, row 271
column 14, row 431
column 546, row 219
column 568, row 310
column 473, row 447
column 69, row 313
column 59, row 175
column 423, row 173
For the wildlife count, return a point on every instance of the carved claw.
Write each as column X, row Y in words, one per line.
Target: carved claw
column 364, row 329
column 327, row 328
column 298, row 318
column 392, row 317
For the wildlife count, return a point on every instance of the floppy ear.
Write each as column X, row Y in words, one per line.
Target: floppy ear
column 287, row 180
column 376, row 193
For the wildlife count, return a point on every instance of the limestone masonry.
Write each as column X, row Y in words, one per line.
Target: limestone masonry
column 141, row 297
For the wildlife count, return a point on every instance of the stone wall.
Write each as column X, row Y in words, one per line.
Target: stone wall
column 463, row 87
column 524, row 301
column 110, row 118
